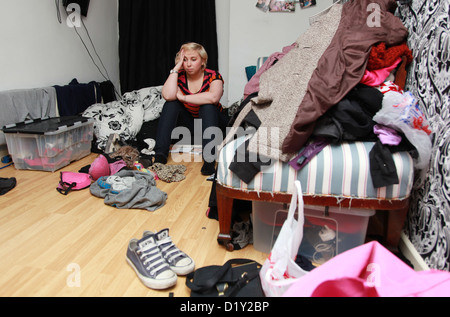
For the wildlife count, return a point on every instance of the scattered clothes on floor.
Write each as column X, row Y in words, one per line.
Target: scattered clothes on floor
column 104, row 165
column 140, row 167
column 242, row 234
column 129, row 189
column 128, row 154
column 6, row 184
column 169, row 173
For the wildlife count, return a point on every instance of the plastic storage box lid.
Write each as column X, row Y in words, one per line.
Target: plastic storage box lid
column 45, row 126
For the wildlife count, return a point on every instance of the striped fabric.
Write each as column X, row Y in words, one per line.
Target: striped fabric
column 208, row 78
column 340, row 171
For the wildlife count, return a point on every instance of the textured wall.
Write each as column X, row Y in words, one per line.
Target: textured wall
column 428, row 225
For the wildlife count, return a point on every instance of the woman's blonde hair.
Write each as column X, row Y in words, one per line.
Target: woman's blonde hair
column 194, row 47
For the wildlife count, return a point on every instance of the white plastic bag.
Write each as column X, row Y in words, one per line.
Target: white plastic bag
column 280, row 271
column 401, row 112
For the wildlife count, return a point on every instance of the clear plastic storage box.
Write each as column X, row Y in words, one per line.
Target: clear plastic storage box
column 328, row 230
column 49, row 144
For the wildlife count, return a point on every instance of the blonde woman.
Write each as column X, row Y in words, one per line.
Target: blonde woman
column 192, row 91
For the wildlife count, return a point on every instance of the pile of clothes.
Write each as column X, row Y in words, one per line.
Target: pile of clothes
column 123, row 179
column 347, row 88
column 129, row 189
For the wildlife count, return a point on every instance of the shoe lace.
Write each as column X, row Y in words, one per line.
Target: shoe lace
column 153, row 261
column 170, row 251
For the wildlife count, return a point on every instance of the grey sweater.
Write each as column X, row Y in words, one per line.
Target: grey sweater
column 129, row 189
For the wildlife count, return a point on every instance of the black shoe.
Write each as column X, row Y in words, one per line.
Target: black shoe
column 208, row 168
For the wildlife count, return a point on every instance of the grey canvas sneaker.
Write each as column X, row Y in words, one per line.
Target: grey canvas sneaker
column 146, row 259
column 178, row 261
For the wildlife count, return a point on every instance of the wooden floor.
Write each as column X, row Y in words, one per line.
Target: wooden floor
column 75, row 245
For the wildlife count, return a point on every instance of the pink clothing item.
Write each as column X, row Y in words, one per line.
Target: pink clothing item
column 117, row 166
column 370, row 270
column 387, row 135
column 377, row 77
column 99, row 168
column 253, row 84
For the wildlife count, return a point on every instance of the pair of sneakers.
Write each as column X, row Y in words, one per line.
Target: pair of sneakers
column 157, row 261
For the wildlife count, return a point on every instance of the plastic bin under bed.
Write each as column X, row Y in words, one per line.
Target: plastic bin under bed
column 326, row 233
column 49, row 144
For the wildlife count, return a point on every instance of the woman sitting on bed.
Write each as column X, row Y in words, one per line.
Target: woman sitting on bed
column 192, row 91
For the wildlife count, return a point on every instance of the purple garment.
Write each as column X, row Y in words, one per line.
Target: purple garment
column 387, row 135
column 308, row 152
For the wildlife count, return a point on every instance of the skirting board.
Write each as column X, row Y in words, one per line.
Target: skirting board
column 408, row 250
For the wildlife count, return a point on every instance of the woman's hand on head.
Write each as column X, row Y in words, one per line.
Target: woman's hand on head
column 179, row 65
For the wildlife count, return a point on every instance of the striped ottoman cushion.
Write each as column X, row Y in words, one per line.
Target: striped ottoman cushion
column 341, row 171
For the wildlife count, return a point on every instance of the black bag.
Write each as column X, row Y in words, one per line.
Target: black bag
column 236, row 278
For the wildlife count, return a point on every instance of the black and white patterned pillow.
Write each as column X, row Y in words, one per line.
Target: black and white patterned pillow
column 123, row 117
column 126, row 116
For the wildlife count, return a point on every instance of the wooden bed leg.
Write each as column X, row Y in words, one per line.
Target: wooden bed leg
column 394, row 226
column 224, row 210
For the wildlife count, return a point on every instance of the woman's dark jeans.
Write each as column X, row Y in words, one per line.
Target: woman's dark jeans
column 174, row 114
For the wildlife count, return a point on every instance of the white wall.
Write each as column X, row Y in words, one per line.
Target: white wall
column 38, row 51
column 253, row 33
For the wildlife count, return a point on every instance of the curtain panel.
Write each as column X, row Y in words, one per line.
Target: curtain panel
column 152, row 32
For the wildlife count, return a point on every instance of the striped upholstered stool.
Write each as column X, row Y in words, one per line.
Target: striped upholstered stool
column 338, row 176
